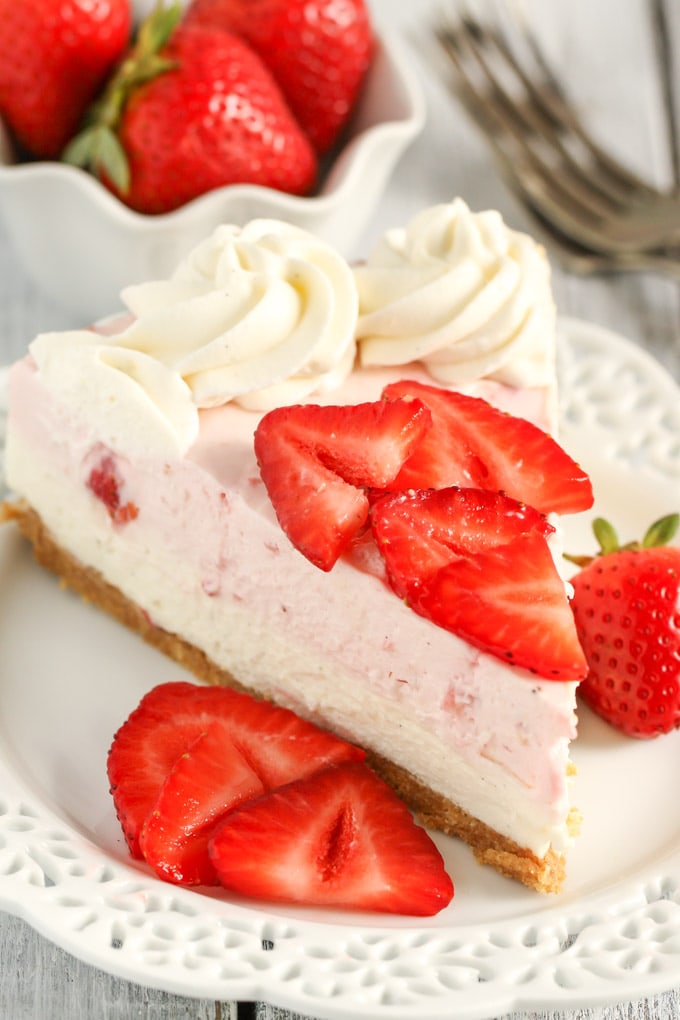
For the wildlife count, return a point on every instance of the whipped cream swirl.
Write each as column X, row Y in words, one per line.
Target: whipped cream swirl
column 131, row 400
column 263, row 315
column 462, row 294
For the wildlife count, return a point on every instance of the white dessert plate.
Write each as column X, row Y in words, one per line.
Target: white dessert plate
column 69, row 676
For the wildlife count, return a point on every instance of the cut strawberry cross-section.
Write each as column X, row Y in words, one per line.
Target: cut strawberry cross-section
column 478, row 564
column 473, row 444
column 207, row 780
column 315, row 825
column 341, row 839
column 276, row 744
column 317, row 462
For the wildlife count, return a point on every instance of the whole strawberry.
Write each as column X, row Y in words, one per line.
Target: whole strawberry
column 193, row 109
column 54, row 57
column 319, row 52
column 627, row 610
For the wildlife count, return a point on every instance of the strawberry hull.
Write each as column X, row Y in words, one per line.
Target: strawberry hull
column 205, row 561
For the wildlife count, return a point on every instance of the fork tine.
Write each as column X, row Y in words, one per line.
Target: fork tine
column 520, row 130
column 585, row 262
column 563, row 182
column 554, row 103
column 549, row 175
column 525, row 171
column 533, row 122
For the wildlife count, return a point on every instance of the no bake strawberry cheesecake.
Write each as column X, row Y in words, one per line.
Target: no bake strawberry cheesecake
column 337, row 488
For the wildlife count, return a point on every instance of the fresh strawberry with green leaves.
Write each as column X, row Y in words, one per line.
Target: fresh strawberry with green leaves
column 340, row 839
column 473, row 444
column 477, row 563
column 192, row 109
column 317, row 463
column 55, row 56
column 319, row 53
column 627, row 609
column 276, row 743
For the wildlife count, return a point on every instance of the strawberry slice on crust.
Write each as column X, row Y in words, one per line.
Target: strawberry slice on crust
column 478, row 564
column 317, row 462
column 276, row 744
column 340, row 839
column 474, row 445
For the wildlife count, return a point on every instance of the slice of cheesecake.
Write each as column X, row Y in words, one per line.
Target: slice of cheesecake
column 131, row 456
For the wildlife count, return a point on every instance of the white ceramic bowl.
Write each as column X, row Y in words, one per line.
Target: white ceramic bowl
column 82, row 246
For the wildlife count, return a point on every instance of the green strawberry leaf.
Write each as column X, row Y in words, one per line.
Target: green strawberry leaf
column 661, row 532
column 156, row 30
column 98, row 149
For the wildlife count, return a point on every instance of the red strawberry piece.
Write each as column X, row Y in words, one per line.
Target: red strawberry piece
column 473, row 444
column 106, row 483
column 316, row 463
column 276, row 743
column 627, row 610
column 55, row 55
column 339, row 839
column 477, row 563
column 418, row 531
column 319, row 53
column 209, row 779
column 209, row 115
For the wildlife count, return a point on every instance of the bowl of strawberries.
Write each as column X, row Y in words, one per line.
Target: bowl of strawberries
column 128, row 135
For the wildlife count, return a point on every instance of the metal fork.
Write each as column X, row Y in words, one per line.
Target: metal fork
column 544, row 151
column 583, row 262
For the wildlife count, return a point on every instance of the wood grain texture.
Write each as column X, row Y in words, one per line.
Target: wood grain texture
column 39, row 981
column 606, row 54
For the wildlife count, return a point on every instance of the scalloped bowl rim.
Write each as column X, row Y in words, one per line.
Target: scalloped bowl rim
column 339, row 180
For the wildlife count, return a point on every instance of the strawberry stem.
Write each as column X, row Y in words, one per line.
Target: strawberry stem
column 661, row 532
column 97, row 147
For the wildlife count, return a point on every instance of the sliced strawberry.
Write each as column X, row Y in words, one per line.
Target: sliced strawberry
column 316, row 463
column 418, row 532
column 477, row 563
column 276, row 743
column 206, row 781
column 341, row 838
column 473, row 444
column 512, row 604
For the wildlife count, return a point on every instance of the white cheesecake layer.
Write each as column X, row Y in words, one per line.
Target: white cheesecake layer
column 206, row 559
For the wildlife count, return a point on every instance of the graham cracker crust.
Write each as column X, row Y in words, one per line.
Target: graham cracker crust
column 432, row 809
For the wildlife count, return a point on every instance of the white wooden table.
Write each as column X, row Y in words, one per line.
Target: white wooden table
column 605, row 52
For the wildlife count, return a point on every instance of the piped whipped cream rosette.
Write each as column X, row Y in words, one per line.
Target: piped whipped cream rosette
column 460, row 293
column 263, row 315
column 268, row 315
column 131, row 400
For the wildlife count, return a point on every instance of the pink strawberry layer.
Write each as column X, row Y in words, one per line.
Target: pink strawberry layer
column 206, row 559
